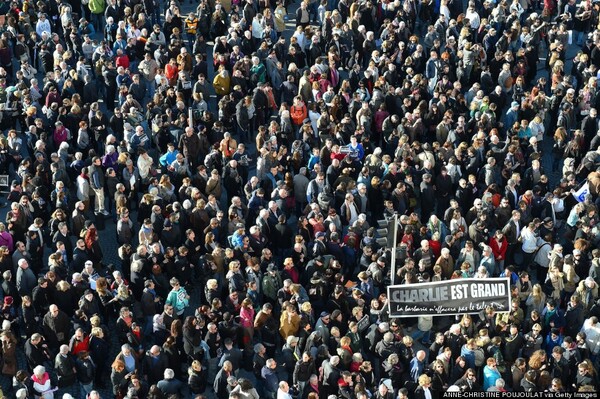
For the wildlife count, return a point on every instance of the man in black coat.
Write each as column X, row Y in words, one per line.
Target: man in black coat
column 220, row 383
column 9, row 288
column 169, row 385
column 313, row 385
column 427, row 198
column 62, row 235
column 57, row 327
column 282, row 236
column 444, row 190
column 65, row 367
column 36, row 351
column 155, row 364
column 289, row 90
column 80, row 256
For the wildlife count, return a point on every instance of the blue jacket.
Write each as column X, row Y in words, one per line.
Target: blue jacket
column 490, row 375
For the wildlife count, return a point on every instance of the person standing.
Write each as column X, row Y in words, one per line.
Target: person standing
column 97, row 184
column 178, row 297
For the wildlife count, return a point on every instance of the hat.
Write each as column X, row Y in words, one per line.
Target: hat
column 514, row 104
column 89, row 262
column 547, row 219
column 324, row 314
column 320, row 234
column 291, row 339
column 316, row 278
column 8, row 300
column 271, row 267
column 576, row 252
column 167, row 223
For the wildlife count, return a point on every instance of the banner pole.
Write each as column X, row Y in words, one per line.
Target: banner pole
column 394, row 244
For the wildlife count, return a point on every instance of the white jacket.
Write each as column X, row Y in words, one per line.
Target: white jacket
column 592, row 336
column 529, row 241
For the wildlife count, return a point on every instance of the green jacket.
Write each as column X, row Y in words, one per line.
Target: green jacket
column 97, row 6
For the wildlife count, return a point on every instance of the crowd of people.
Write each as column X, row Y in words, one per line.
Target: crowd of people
column 247, row 173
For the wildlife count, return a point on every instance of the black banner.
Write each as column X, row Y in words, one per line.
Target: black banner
column 450, row 297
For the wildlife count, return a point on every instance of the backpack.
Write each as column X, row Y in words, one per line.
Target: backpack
column 374, row 165
column 97, row 6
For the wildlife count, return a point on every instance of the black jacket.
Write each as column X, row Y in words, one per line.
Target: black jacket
column 65, row 369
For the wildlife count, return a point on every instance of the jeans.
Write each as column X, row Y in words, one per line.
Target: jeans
column 423, row 336
column 86, row 388
column 150, row 88
column 313, row 11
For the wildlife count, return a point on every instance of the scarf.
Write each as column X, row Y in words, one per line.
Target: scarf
column 549, row 315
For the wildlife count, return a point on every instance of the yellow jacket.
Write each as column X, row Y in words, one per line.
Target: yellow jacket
column 191, row 25
column 222, row 84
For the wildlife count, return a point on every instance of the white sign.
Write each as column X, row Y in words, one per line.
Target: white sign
column 582, row 192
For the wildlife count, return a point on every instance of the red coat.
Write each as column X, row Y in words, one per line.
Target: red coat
column 436, row 248
column 499, row 248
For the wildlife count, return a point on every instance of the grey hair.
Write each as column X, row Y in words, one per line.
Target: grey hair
column 169, row 374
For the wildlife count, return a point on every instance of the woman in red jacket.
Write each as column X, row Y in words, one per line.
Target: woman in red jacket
column 298, row 112
column 499, row 245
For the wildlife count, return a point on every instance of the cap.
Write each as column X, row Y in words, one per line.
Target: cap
column 324, row 314
column 320, row 234
column 514, row 104
column 89, row 263
column 547, row 219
